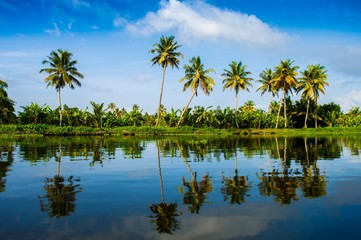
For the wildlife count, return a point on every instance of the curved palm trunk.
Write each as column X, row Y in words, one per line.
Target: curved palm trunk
column 61, row 108
column 279, row 110
column 160, row 97
column 185, row 109
column 308, row 107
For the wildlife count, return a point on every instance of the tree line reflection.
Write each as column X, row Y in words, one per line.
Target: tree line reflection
column 295, row 173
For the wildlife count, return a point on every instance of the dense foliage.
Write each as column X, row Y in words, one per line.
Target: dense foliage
column 247, row 116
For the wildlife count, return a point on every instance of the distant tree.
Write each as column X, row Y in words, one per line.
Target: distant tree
column 35, row 114
column 285, row 80
column 98, row 114
column 236, row 78
column 167, row 55
column 7, row 109
column 196, row 76
column 312, row 82
column 62, row 72
column 266, row 85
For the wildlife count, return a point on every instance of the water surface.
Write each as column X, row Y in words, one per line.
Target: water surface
column 180, row 188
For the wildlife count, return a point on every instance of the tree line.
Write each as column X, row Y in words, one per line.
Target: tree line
column 281, row 82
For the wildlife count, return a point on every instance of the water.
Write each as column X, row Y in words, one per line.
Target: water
column 180, row 188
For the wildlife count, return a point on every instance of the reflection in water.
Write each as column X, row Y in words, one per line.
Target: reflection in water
column 284, row 170
column 195, row 193
column 283, row 183
column 6, row 159
column 166, row 214
column 237, row 187
column 61, row 193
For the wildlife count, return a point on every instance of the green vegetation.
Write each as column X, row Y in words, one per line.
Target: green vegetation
column 62, row 72
column 167, row 56
column 102, row 119
column 195, row 77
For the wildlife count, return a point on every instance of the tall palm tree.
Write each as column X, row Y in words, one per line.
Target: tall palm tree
column 167, row 55
column 236, row 78
column 196, row 76
column 312, row 82
column 284, row 79
column 266, row 85
column 62, row 72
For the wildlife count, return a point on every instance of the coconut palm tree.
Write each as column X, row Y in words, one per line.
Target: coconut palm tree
column 284, row 79
column 266, row 85
column 312, row 82
column 236, row 78
column 62, row 72
column 7, row 108
column 196, row 76
column 167, row 55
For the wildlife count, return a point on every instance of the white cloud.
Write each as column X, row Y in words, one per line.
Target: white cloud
column 79, row 3
column 350, row 100
column 56, row 31
column 118, row 22
column 197, row 20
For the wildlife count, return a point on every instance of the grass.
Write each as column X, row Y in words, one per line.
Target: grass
column 44, row 129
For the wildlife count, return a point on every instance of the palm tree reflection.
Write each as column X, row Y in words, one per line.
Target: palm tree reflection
column 60, row 196
column 195, row 193
column 165, row 217
column 283, row 184
column 237, row 187
column 313, row 182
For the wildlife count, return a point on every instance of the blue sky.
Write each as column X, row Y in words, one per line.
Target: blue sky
column 111, row 40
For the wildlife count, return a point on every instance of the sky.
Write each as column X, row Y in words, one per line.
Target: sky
column 111, row 40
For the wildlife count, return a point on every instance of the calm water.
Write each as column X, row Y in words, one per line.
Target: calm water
column 180, row 188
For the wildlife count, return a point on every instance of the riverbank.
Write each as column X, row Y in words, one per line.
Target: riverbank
column 49, row 130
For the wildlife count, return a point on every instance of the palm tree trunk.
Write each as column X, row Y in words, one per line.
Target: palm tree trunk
column 279, row 110
column 236, row 110
column 308, row 107
column 160, row 96
column 316, row 109
column 61, row 108
column 185, row 109
column 284, row 109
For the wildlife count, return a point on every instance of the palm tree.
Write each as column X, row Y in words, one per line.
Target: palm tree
column 62, row 72
column 236, row 78
column 266, row 85
column 196, row 76
column 98, row 114
column 313, row 81
column 167, row 55
column 7, row 108
column 284, row 79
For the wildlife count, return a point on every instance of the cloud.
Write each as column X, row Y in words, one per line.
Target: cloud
column 55, row 32
column 80, row 4
column 197, row 20
column 346, row 60
column 351, row 99
column 119, row 21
